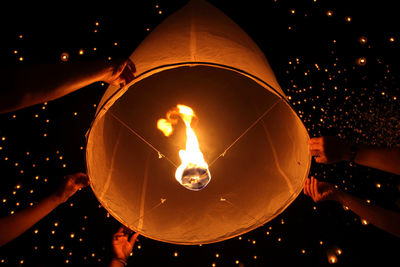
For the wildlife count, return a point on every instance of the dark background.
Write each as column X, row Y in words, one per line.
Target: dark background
column 315, row 62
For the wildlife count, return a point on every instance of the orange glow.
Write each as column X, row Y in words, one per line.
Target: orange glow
column 165, row 126
column 332, row 259
column 361, row 61
column 193, row 172
column 330, row 253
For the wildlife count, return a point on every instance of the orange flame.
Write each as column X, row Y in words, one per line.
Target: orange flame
column 193, row 172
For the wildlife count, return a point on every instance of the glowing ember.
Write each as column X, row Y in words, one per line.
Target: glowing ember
column 193, row 172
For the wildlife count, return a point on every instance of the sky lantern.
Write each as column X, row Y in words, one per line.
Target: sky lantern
column 202, row 145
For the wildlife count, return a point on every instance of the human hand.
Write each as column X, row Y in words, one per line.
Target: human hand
column 120, row 72
column 329, row 149
column 319, row 191
column 122, row 246
column 71, row 184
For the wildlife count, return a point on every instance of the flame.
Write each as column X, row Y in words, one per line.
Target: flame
column 193, row 172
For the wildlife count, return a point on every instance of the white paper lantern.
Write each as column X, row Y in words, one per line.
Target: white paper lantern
column 254, row 144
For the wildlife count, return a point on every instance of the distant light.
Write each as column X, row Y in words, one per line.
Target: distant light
column 363, row 40
column 64, row 56
column 332, row 259
column 361, row 61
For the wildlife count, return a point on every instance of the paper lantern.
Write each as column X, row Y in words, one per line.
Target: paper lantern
column 254, row 144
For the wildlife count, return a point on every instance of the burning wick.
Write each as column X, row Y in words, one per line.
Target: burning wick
column 193, row 172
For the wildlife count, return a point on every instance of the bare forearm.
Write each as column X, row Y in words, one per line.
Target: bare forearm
column 385, row 219
column 33, row 85
column 385, row 159
column 15, row 225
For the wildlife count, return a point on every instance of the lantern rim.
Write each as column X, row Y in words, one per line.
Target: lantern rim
column 121, row 91
column 161, row 68
column 279, row 211
column 104, row 108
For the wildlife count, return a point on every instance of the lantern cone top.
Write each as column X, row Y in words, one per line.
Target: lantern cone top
column 200, row 33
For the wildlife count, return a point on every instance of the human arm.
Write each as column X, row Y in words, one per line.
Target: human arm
column 15, row 225
column 30, row 85
column 382, row 218
column 329, row 149
column 122, row 246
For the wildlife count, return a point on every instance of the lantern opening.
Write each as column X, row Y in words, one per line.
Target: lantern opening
column 193, row 172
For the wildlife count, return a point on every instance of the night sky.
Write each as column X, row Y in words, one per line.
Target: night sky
column 338, row 63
